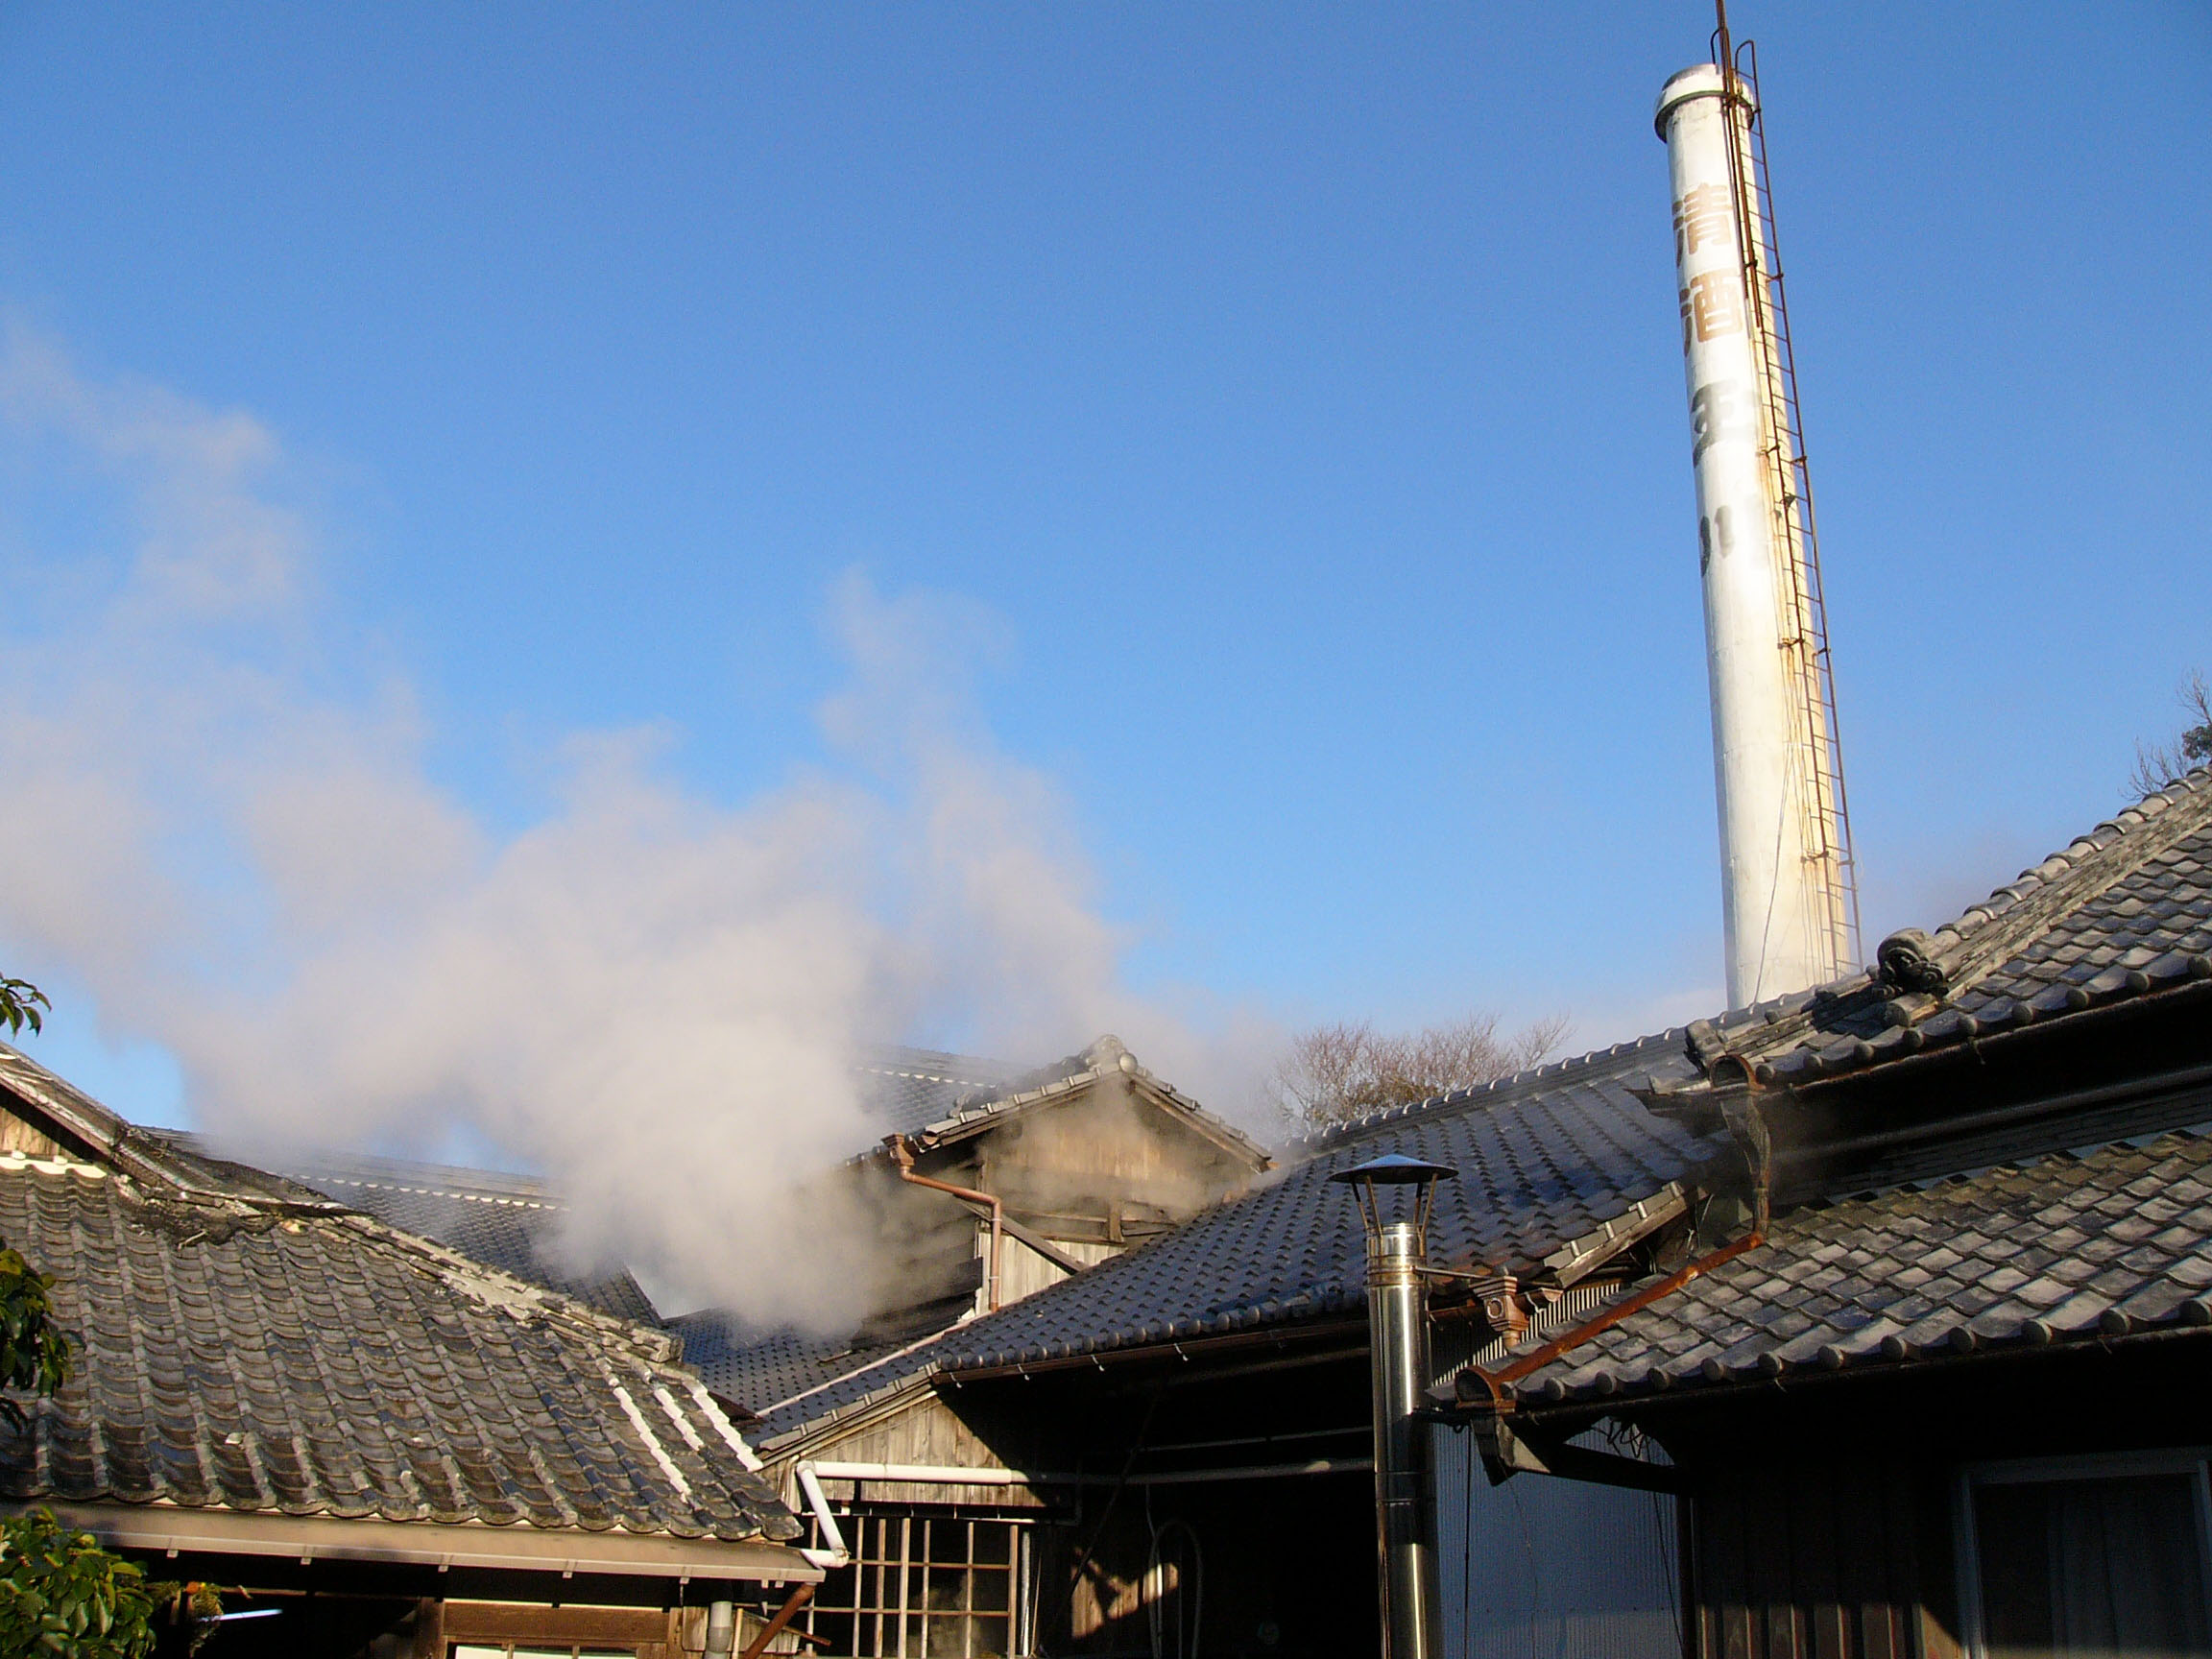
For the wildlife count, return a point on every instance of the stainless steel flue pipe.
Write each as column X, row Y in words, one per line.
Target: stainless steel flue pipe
column 1397, row 1196
column 1398, row 1338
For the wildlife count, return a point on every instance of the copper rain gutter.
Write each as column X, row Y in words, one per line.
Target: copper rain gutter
column 1499, row 1382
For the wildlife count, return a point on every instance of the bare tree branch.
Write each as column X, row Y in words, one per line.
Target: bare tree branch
column 2162, row 766
column 1348, row 1069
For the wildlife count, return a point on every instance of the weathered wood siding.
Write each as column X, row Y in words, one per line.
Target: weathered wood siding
column 19, row 1134
column 1258, row 1569
column 1812, row 1560
column 924, row 1432
column 1023, row 1272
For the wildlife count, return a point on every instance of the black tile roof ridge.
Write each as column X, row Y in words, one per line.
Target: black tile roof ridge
column 1950, row 1024
column 1103, row 1053
column 998, row 1105
column 936, row 1066
column 146, row 1155
column 969, row 1112
column 1977, row 945
column 1329, row 1135
column 454, row 1193
column 63, row 1162
column 2052, row 871
column 341, row 1167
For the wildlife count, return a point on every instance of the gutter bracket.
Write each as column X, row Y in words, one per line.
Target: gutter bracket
column 1508, row 1451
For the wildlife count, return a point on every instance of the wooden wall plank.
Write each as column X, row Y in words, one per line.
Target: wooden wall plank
column 1863, row 1559
column 1766, row 1580
column 516, row 1621
column 1814, row 1529
column 19, row 1134
column 1847, row 1559
column 1934, row 1622
column 1722, row 1568
column 927, row 1431
column 1901, row 1528
column 430, row 1629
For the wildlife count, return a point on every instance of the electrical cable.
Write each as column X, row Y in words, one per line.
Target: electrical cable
column 1194, row 1583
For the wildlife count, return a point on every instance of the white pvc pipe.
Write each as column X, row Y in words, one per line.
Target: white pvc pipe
column 920, row 1474
column 721, row 1630
column 818, row 1503
column 1774, row 900
column 812, row 1474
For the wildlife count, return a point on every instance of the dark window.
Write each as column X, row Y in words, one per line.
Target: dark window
column 2103, row 1565
column 930, row 1584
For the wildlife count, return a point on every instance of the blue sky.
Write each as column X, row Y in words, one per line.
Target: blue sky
column 1272, row 412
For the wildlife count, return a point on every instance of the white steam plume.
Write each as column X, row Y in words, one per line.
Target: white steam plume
column 221, row 822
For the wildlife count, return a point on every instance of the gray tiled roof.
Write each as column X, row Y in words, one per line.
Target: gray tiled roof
column 247, row 1344
column 1545, row 1158
column 760, row 1370
column 934, row 1098
column 974, row 1112
column 510, row 1222
column 2123, row 911
column 906, row 1090
column 2097, row 1242
column 861, row 1384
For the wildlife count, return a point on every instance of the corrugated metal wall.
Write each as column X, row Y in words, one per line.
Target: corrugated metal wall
column 1547, row 1569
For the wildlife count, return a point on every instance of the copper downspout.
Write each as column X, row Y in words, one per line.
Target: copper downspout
column 1499, row 1382
column 783, row 1616
column 902, row 1154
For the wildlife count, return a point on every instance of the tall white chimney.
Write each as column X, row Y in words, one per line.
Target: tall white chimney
column 1788, row 908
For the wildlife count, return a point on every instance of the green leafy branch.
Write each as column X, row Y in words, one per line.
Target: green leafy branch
column 33, row 1352
column 61, row 1593
column 21, row 1002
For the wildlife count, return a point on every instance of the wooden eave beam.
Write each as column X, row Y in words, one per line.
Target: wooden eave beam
column 167, row 1526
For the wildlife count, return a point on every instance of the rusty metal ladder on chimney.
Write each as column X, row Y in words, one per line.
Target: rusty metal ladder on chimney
column 1806, row 603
